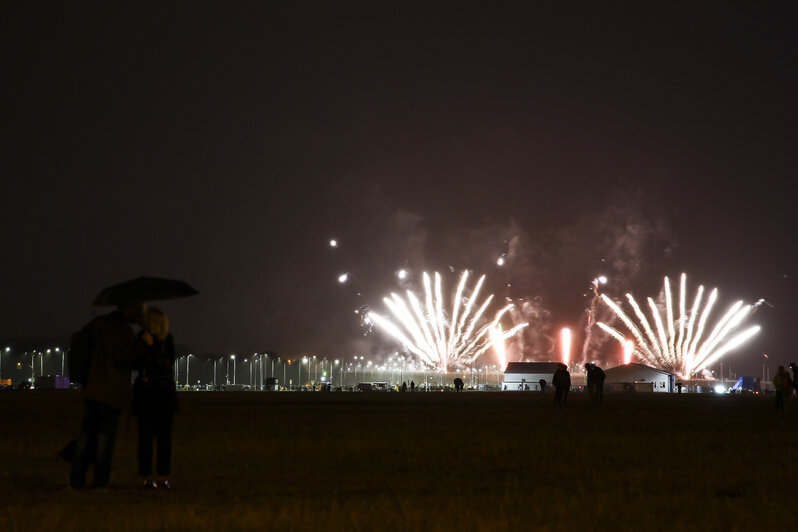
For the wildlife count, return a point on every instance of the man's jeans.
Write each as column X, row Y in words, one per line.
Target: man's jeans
column 97, row 430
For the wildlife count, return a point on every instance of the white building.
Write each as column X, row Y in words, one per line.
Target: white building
column 639, row 378
column 526, row 376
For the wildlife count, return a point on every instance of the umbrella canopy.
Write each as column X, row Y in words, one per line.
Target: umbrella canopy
column 143, row 289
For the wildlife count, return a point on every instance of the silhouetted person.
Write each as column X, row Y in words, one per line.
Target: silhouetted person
column 595, row 382
column 779, row 382
column 599, row 376
column 404, row 386
column 794, row 369
column 412, row 386
column 458, row 384
column 116, row 350
column 542, row 383
column 155, row 401
column 562, row 383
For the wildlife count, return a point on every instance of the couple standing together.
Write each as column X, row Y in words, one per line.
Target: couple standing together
column 116, row 351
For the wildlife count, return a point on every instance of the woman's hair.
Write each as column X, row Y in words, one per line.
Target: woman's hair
column 157, row 323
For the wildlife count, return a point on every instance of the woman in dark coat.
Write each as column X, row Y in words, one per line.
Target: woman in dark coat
column 155, row 401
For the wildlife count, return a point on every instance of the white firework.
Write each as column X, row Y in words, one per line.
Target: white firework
column 677, row 343
column 442, row 340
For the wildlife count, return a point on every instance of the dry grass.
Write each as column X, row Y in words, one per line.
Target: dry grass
column 298, row 461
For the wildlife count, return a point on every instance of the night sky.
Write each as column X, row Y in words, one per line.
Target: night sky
column 226, row 145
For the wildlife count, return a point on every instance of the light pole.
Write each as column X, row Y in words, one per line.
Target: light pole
column 188, row 358
column 7, row 350
column 233, row 357
column 58, row 350
column 341, row 374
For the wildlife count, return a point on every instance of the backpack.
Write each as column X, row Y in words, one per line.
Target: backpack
column 81, row 347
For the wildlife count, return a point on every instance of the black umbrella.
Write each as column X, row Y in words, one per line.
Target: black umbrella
column 143, row 289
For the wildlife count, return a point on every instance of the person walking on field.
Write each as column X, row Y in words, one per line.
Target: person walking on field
column 155, row 400
column 115, row 351
column 562, row 383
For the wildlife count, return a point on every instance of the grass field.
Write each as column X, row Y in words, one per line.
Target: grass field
column 435, row 461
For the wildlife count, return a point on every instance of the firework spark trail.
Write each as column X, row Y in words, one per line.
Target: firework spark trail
column 685, row 351
column 628, row 351
column 648, row 354
column 565, row 336
column 498, row 345
column 660, row 329
column 682, row 314
column 693, row 314
column 642, row 318
column 669, row 312
column 438, row 342
column 713, row 296
column 591, row 317
column 733, row 317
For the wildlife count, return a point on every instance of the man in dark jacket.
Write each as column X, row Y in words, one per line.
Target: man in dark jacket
column 562, row 383
column 595, row 382
column 116, row 351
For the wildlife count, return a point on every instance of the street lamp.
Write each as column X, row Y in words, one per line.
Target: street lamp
column 188, row 357
column 233, row 357
column 58, row 350
column 7, row 350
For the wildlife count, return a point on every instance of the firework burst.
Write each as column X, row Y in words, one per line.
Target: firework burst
column 441, row 339
column 677, row 343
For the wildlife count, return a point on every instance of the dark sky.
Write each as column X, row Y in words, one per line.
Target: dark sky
column 225, row 145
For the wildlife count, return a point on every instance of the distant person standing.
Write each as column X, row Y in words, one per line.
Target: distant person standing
column 155, row 401
column 595, row 382
column 412, row 386
column 779, row 381
column 590, row 381
column 542, row 384
column 562, row 383
column 458, row 384
column 599, row 377
column 404, row 386
column 794, row 369
column 115, row 351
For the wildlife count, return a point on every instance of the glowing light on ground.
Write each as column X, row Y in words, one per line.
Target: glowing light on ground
column 439, row 339
column 683, row 350
column 565, row 344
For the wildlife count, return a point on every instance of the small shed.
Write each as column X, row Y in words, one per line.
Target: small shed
column 638, row 377
column 526, row 376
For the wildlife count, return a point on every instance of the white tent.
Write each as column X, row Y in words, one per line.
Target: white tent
column 527, row 375
column 638, row 377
